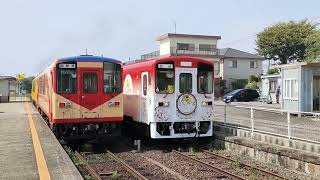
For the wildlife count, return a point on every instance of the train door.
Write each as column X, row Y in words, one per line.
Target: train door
column 89, row 94
column 144, row 105
column 185, row 91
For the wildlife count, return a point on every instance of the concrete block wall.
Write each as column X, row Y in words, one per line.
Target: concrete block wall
column 292, row 154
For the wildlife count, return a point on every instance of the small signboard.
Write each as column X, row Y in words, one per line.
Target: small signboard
column 186, row 64
column 165, row 66
column 67, row 66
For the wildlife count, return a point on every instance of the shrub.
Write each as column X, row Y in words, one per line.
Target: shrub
column 251, row 85
column 239, row 83
column 253, row 78
column 273, row 71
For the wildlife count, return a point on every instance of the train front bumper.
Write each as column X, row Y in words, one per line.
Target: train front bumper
column 190, row 129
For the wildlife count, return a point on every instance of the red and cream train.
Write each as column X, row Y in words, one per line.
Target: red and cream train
column 81, row 96
column 165, row 97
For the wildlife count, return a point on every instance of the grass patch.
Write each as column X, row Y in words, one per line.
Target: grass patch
column 78, row 163
column 193, row 151
column 115, row 175
column 237, row 163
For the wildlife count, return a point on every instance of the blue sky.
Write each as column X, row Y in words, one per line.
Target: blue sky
column 35, row 32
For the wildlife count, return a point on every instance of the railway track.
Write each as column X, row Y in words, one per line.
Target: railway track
column 87, row 166
column 100, row 175
column 170, row 164
column 223, row 174
column 134, row 172
column 265, row 172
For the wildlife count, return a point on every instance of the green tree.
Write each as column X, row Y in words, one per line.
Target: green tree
column 26, row 84
column 313, row 47
column 252, row 82
column 285, row 41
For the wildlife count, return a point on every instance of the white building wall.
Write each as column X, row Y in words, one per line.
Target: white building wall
column 243, row 70
column 164, row 47
column 167, row 43
column 4, row 87
column 190, row 40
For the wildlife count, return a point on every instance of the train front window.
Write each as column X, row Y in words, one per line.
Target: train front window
column 165, row 78
column 90, row 83
column 111, row 78
column 205, row 78
column 185, row 83
column 66, row 78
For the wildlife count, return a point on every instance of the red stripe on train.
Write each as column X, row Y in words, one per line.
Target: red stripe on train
column 87, row 120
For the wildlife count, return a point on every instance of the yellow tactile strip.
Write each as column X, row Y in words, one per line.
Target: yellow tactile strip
column 41, row 162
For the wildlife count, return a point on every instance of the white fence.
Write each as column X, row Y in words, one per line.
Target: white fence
column 292, row 125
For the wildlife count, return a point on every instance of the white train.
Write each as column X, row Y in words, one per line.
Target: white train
column 169, row 97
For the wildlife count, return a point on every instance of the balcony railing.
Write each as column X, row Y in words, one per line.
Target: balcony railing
column 150, row 55
column 194, row 51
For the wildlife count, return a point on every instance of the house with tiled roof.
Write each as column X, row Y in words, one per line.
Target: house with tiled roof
column 229, row 64
column 238, row 65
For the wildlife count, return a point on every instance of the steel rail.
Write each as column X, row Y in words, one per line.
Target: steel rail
column 92, row 172
column 216, row 169
column 246, row 165
column 129, row 168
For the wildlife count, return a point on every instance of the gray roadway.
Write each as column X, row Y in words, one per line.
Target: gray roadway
column 274, row 122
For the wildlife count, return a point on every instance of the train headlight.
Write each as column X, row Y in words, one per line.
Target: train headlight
column 64, row 104
column 206, row 103
column 114, row 104
column 163, row 104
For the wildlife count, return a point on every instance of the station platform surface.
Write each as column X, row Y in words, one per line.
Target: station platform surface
column 28, row 148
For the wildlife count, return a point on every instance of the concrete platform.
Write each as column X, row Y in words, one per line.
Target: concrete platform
column 28, row 148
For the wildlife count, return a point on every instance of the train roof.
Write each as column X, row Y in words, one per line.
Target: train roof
column 89, row 58
column 166, row 58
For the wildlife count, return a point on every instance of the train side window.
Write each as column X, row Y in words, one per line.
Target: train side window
column 205, row 78
column 90, row 83
column 185, row 83
column 145, row 84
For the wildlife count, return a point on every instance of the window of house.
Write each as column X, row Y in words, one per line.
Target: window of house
column 185, row 83
column 207, row 47
column 291, row 89
column 253, row 64
column 233, row 64
column 185, row 46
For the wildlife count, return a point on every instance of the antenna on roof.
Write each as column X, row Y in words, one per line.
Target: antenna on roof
column 86, row 51
column 175, row 26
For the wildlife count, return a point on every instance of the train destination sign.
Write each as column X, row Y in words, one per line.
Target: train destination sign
column 64, row 66
column 165, row 66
